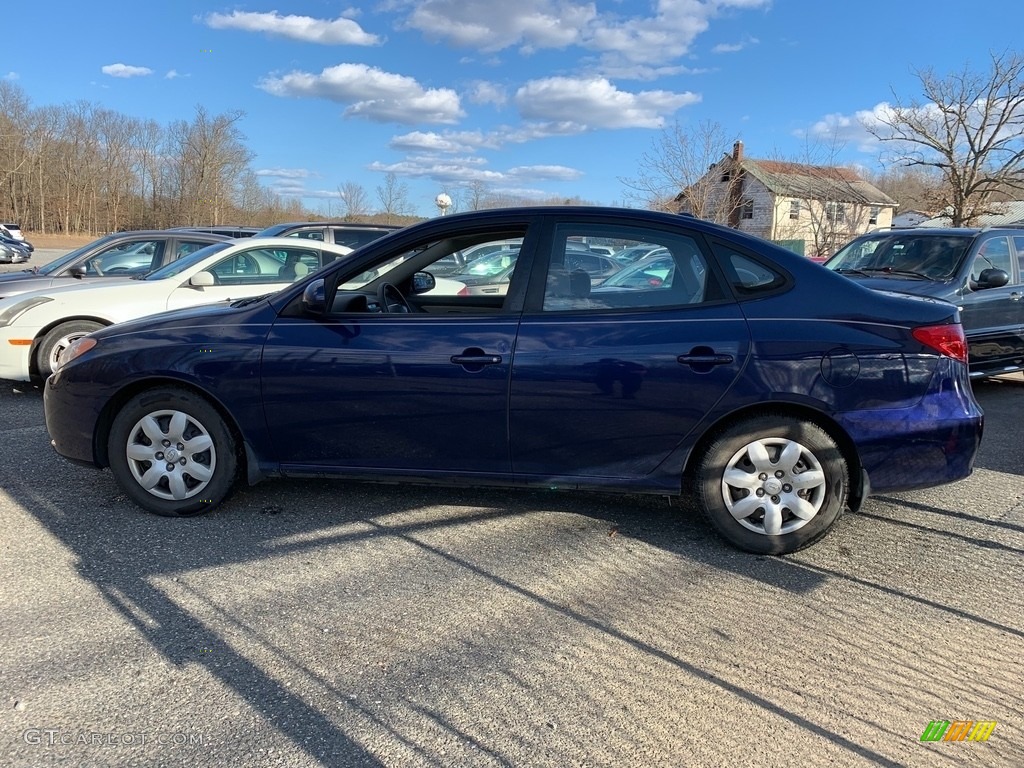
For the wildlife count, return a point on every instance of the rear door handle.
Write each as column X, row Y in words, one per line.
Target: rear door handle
column 476, row 359
column 704, row 360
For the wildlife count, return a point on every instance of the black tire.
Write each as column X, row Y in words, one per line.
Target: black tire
column 57, row 340
column 202, row 475
column 757, row 506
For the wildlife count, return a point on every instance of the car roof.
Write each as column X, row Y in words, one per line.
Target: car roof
column 163, row 232
column 289, row 225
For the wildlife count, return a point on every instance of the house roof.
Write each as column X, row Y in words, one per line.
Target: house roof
column 1011, row 212
column 815, row 182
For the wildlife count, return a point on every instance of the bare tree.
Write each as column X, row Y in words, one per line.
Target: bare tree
column 969, row 127
column 394, row 198
column 673, row 174
column 916, row 189
column 354, row 201
column 475, row 195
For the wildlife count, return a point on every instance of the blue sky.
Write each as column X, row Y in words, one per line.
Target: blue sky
column 538, row 98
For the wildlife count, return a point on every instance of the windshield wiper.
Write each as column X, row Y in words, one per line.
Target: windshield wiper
column 899, row 272
column 851, row 271
column 248, row 301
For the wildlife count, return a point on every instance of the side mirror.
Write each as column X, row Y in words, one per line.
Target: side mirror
column 314, row 301
column 202, row 280
column 993, row 278
column 423, row 282
column 77, row 272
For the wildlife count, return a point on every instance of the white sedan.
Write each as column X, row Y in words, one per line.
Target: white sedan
column 37, row 326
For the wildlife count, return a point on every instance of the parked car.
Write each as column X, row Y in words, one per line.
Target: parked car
column 36, row 327
column 487, row 275
column 979, row 270
column 352, row 234
column 13, row 251
column 13, row 232
column 776, row 394
column 225, row 230
column 122, row 255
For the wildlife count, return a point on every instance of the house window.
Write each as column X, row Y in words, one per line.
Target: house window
column 747, row 209
column 794, row 209
column 835, row 212
column 726, row 176
column 874, row 215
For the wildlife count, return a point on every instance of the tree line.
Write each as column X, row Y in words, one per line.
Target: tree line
column 81, row 168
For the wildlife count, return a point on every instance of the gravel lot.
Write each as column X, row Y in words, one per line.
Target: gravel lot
column 311, row 623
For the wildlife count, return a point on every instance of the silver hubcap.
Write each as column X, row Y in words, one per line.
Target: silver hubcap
column 63, row 343
column 773, row 486
column 171, row 455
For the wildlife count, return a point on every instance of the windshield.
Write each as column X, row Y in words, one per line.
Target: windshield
column 935, row 256
column 647, row 273
column 58, row 264
column 185, row 262
column 273, row 231
column 488, row 266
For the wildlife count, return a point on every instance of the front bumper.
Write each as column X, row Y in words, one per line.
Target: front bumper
column 15, row 353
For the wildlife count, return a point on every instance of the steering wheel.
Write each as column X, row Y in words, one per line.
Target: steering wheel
column 386, row 291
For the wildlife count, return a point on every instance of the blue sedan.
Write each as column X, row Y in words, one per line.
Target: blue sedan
column 774, row 392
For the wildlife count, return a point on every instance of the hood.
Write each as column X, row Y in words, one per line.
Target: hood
column 13, row 277
column 221, row 314
column 907, row 285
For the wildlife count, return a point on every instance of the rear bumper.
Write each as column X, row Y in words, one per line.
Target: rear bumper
column 932, row 443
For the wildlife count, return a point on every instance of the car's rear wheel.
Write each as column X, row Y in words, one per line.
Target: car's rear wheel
column 772, row 484
column 172, row 452
column 57, row 340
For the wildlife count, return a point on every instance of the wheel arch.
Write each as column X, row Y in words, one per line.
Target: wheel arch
column 33, row 365
column 104, row 423
column 857, row 481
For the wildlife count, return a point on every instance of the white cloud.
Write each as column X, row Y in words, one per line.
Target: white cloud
column 850, row 130
column 735, row 47
column 340, row 31
column 483, row 92
column 125, row 70
column 371, row 93
column 488, row 26
column 286, row 173
column 544, row 172
column 465, row 170
column 653, row 39
column 447, row 143
column 595, row 103
column 173, row 74
column 11, row 76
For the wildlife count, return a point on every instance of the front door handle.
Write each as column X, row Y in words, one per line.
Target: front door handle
column 475, row 359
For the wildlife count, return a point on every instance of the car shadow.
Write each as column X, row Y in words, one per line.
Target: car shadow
column 128, row 556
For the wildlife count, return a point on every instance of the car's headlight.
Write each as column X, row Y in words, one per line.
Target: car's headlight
column 10, row 314
column 75, row 349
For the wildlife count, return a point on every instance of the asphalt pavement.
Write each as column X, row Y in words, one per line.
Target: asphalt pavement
column 317, row 623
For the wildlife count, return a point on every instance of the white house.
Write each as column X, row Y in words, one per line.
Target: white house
column 809, row 208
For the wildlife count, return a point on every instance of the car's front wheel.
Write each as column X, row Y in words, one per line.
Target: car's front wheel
column 772, row 484
column 57, row 340
column 172, row 452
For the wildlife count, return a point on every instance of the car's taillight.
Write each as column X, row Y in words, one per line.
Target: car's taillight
column 464, row 291
column 947, row 340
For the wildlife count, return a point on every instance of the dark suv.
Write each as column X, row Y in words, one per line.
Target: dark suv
column 352, row 234
column 979, row 270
